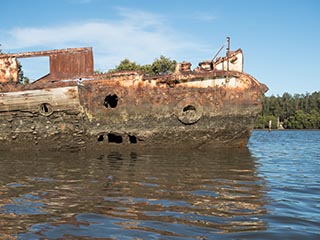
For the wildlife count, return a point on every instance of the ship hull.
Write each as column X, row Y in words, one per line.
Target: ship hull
column 202, row 110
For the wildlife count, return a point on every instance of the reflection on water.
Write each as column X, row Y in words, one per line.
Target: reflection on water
column 130, row 194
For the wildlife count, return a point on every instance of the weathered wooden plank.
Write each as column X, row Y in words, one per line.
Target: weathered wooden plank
column 61, row 99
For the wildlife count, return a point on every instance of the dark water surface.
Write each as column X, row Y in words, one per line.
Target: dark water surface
column 270, row 190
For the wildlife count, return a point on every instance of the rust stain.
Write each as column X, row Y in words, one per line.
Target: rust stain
column 9, row 69
column 72, row 93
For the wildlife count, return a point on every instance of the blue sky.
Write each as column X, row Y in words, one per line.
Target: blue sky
column 280, row 38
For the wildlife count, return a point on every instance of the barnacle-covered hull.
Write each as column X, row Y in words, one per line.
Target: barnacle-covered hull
column 204, row 108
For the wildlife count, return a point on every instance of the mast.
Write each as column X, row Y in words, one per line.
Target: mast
column 228, row 52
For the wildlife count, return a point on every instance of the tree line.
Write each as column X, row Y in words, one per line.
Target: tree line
column 298, row 111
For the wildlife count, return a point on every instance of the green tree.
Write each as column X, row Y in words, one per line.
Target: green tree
column 160, row 66
column 98, row 71
column 260, row 122
column 21, row 77
column 314, row 119
column 147, row 69
column 163, row 65
column 127, row 65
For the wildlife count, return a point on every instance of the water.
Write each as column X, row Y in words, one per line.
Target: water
column 269, row 190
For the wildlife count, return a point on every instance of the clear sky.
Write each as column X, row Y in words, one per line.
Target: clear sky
column 280, row 38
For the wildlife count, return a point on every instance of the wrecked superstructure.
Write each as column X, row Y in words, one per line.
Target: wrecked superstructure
column 213, row 105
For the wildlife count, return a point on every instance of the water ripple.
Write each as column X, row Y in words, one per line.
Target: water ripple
column 268, row 191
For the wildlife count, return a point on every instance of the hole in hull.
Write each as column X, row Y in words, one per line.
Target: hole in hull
column 45, row 109
column 133, row 139
column 113, row 138
column 189, row 108
column 111, row 101
column 100, row 138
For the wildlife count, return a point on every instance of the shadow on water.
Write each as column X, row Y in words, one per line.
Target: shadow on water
column 145, row 194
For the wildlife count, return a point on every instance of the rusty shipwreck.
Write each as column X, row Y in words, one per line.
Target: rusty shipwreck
column 213, row 105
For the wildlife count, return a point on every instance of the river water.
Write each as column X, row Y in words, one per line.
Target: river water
column 269, row 190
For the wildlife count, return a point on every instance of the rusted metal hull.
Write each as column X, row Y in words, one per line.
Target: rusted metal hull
column 203, row 111
column 212, row 106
